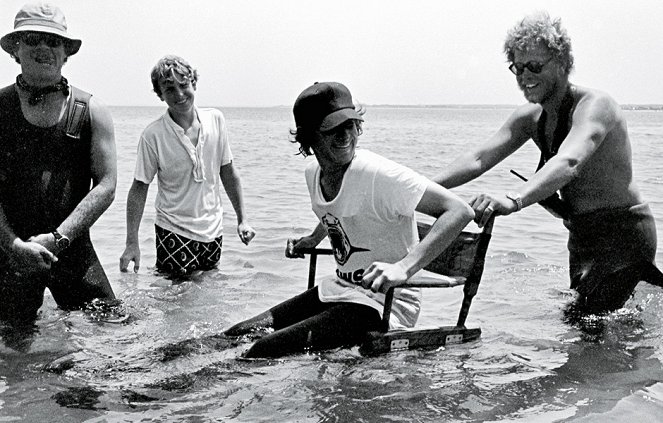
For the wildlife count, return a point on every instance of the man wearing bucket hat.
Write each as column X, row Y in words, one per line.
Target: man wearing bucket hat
column 366, row 206
column 57, row 172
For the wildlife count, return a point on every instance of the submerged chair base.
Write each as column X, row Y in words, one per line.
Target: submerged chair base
column 417, row 338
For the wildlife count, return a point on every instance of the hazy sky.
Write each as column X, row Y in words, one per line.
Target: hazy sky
column 263, row 53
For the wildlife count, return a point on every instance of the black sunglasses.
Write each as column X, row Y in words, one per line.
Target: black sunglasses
column 33, row 39
column 535, row 67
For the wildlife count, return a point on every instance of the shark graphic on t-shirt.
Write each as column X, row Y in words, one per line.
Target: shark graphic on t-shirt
column 339, row 240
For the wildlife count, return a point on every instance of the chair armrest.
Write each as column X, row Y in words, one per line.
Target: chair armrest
column 316, row 251
column 290, row 250
column 430, row 282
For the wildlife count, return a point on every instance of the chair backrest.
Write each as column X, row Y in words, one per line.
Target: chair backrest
column 465, row 257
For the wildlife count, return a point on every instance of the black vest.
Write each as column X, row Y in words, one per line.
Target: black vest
column 44, row 172
column 554, row 203
column 564, row 121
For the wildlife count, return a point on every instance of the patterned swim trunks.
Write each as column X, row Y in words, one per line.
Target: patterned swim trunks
column 178, row 255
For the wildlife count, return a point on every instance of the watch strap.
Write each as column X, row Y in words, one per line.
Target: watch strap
column 516, row 198
column 61, row 241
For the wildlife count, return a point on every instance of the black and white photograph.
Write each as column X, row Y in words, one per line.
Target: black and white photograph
column 246, row 211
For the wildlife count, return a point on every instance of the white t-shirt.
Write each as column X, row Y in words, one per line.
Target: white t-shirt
column 188, row 200
column 371, row 219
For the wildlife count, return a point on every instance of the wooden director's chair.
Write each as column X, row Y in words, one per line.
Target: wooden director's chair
column 462, row 262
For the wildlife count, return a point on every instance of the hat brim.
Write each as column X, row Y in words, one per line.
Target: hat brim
column 339, row 117
column 7, row 42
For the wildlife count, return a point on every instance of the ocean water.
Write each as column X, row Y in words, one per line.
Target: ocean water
column 529, row 365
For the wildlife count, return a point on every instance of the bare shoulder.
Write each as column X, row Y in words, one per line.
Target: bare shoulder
column 597, row 113
column 100, row 115
column 527, row 111
column 593, row 103
column 524, row 119
column 101, row 120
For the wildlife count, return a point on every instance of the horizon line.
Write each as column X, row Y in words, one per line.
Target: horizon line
column 626, row 106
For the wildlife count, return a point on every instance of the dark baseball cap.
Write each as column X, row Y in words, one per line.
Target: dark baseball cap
column 324, row 106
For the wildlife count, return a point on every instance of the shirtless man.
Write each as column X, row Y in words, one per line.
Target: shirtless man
column 585, row 155
column 57, row 173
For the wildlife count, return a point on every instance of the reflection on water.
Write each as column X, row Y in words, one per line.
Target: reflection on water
column 157, row 355
column 562, row 371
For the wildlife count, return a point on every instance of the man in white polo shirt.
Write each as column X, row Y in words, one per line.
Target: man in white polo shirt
column 187, row 149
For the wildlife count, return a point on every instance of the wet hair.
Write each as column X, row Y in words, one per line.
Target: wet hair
column 306, row 137
column 540, row 28
column 172, row 68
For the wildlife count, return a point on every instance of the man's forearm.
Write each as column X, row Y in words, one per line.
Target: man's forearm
column 103, row 168
column 88, row 210
column 233, row 187
column 234, row 192
column 135, row 207
column 442, row 233
column 556, row 174
column 459, row 173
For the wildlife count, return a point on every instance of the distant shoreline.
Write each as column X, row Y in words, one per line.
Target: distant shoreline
column 653, row 107
column 657, row 107
column 500, row 106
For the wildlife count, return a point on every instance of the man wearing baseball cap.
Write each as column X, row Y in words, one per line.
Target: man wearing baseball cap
column 57, row 172
column 366, row 206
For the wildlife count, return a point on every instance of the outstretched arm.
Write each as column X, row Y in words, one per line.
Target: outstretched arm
column 135, row 207
column 452, row 214
column 104, row 174
column 233, row 186
column 593, row 119
column 510, row 137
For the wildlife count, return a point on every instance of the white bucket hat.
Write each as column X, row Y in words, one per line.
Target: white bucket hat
column 40, row 17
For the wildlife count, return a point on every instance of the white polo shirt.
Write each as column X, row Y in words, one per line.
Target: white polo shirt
column 188, row 200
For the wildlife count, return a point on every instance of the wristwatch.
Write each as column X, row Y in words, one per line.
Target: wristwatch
column 515, row 197
column 61, row 241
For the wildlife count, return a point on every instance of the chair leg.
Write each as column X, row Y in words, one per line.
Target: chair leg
column 386, row 312
column 464, row 310
column 311, row 270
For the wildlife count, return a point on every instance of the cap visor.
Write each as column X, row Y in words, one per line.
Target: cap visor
column 338, row 118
